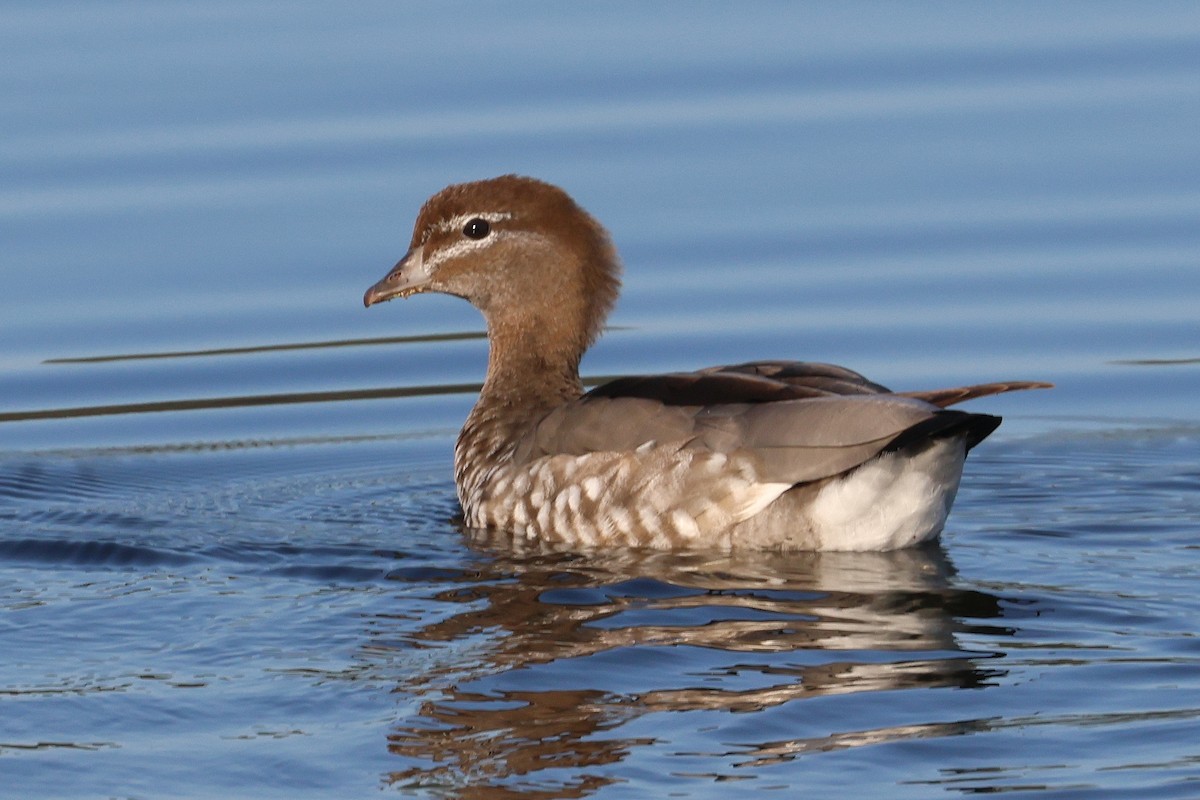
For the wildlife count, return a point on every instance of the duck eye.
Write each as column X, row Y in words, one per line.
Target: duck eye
column 476, row 228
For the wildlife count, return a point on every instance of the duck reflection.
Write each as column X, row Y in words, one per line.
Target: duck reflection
column 556, row 655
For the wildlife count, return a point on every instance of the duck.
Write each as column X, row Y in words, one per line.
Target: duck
column 764, row 455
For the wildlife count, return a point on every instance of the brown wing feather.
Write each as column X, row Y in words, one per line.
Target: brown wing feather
column 702, row 389
column 752, row 382
column 826, row 378
column 948, row 397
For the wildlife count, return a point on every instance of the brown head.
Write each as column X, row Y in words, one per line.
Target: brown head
column 538, row 266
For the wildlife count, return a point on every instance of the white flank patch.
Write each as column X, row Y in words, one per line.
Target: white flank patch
column 574, row 495
column 592, row 487
column 621, row 519
column 895, row 501
column 684, row 524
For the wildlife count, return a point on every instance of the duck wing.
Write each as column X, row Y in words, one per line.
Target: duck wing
column 799, row 422
column 816, row 378
column 812, row 376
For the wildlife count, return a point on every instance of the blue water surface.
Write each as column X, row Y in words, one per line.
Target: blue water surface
column 229, row 561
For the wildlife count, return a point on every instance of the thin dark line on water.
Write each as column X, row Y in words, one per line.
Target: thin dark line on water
column 56, row 745
column 238, row 401
column 1154, row 362
column 424, row 338
column 272, row 348
column 251, row 400
column 241, row 444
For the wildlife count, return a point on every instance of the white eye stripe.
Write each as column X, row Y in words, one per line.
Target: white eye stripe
column 458, row 248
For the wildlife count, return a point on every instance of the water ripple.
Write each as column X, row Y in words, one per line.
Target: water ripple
column 90, row 553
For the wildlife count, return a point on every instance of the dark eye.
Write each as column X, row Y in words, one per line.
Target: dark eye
column 476, row 228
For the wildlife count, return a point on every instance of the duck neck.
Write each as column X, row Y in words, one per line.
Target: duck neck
column 528, row 376
column 531, row 367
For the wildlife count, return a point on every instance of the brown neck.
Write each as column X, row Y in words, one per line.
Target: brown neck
column 531, row 365
column 530, row 373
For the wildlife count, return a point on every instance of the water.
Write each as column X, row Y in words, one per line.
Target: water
column 228, row 561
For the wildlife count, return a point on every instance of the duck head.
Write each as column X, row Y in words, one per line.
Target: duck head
column 518, row 249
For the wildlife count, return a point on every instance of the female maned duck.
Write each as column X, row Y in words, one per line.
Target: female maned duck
column 769, row 454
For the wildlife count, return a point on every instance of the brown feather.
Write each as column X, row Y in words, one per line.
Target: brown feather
column 948, row 397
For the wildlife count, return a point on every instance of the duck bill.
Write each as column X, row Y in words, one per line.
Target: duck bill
column 408, row 277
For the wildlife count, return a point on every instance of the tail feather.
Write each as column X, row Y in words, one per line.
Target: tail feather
column 973, row 427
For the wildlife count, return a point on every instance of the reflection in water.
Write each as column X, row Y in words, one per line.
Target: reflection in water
column 505, row 715
column 481, row 742
column 771, row 753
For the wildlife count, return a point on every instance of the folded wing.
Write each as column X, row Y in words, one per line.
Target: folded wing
column 798, row 421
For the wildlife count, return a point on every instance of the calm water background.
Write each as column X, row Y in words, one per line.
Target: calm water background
column 227, row 561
